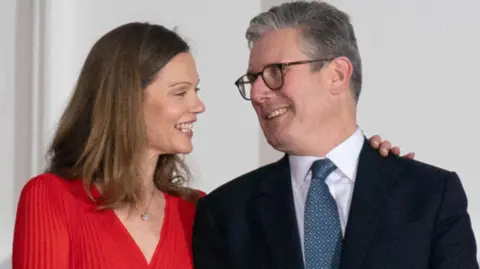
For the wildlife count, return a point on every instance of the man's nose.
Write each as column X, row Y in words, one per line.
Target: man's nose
column 260, row 91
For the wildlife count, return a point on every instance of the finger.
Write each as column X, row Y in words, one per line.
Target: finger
column 395, row 150
column 410, row 155
column 385, row 147
column 375, row 141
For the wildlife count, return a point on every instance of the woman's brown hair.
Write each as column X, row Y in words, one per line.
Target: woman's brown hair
column 101, row 133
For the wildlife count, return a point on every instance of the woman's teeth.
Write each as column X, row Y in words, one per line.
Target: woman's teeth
column 184, row 127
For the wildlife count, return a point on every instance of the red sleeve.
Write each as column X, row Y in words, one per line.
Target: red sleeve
column 40, row 238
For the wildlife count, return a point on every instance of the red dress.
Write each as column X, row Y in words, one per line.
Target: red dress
column 58, row 226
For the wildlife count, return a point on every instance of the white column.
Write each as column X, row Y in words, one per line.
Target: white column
column 16, row 85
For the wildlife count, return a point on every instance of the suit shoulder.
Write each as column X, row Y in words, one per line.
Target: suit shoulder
column 243, row 184
column 422, row 166
column 416, row 168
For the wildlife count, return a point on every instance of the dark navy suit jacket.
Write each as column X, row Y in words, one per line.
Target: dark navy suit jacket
column 404, row 214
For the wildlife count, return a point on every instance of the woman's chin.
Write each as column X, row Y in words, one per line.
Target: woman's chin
column 184, row 148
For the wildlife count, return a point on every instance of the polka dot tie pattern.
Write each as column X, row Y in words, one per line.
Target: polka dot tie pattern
column 323, row 234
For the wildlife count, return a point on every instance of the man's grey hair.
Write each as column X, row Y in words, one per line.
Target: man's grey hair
column 326, row 33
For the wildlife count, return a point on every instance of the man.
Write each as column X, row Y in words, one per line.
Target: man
column 332, row 201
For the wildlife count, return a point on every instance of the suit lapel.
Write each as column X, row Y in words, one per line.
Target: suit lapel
column 375, row 177
column 274, row 207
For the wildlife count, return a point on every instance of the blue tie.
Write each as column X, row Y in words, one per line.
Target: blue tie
column 323, row 235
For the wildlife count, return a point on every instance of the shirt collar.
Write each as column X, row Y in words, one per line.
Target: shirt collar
column 344, row 156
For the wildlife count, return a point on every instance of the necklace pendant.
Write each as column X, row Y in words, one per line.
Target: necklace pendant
column 145, row 216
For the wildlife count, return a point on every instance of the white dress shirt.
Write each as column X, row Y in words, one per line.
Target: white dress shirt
column 340, row 182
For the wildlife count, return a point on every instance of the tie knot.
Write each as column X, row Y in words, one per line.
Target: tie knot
column 322, row 168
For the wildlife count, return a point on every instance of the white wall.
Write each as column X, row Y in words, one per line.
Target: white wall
column 419, row 69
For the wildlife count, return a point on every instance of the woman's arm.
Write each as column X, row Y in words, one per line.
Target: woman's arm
column 40, row 238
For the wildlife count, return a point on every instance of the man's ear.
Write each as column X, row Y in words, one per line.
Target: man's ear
column 340, row 74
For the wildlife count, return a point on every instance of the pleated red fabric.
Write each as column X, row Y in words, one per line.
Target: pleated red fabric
column 59, row 227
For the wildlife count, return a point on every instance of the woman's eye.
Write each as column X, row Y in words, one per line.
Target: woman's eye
column 182, row 93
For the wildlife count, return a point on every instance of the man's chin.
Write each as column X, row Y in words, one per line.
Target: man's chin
column 278, row 143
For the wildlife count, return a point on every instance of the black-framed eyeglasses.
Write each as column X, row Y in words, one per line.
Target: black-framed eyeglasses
column 272, row 75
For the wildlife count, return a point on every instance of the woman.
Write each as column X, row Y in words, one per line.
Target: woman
column 113, row 195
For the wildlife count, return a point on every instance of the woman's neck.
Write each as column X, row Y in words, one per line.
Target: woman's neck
column 147, row 171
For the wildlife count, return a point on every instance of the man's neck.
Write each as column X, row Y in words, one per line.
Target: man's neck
column 319, row 145
column 332, row 132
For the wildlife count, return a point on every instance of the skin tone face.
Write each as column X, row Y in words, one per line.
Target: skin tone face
column 171, row 107
column 313, row 110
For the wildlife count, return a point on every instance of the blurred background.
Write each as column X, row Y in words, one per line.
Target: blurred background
column 421, row 92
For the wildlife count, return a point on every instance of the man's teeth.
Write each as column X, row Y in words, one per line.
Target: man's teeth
column 277, row 113
column 184, row 127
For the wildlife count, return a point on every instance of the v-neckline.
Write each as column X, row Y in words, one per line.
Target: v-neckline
column 135, row 247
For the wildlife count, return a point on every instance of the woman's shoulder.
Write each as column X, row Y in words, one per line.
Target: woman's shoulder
column 181, row 208
column 186, row 201
column 45, row 182
column 45, row 191
column 50, row 185
column 194, row 195
column 188, row 196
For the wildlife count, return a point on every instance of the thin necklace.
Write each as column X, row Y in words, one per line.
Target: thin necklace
column 146, row 214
